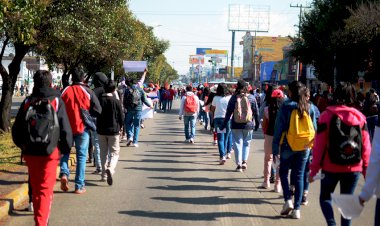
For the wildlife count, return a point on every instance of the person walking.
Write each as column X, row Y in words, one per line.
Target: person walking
column 79, row 98
column 242, row 124
column 218, row 108
column 269, row 118
column 134, row 98
column 171, row 97
column 42, row 158
column 189, row 110
column 341, row 149
column 108, row 131
column 293, row 141
column 372, row 180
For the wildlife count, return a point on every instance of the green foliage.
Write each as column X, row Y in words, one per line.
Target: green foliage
column 319, row 41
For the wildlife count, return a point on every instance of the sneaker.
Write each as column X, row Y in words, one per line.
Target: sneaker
column 135, row 145
column 287, row 207
column 97, row 171
column 80, row 191
column 30, row 207
column 229, row 156
column 277, row 188
column 222, row 161
column 192, row 140
column 244, row 165
column 296, row 214
column 304, row 200
column 265, row 185
column 239, row 168
column 129, row 142
column 271, row 179
column 109, row 177
column 215, row 142
column 187, row 141
column 142, row 126
column 64, row 183
column 232, row 151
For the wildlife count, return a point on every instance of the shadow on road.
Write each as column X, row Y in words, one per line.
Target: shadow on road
column 191, row 216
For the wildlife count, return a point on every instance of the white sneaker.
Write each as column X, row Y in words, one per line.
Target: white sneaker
column 135, row 145
column 129, row 142
column 215, row 142
column 229, row 156
column 288, row 206
column 296, row 214
column 187, row 141
column 222, row 161
column 192, row 140
column 142, row 126
column 30, row 207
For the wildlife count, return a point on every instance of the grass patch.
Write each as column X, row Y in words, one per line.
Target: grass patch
column 9, row 152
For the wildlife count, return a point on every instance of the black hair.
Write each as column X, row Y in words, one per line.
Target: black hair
column 299, row 94
column 42, row 78
column 110, row 87
column 77, row 75
column 222, row 90
column 345, row 94
column 189, row 88
column 242, row 87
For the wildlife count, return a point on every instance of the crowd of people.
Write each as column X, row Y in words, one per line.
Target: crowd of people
column 297, row 126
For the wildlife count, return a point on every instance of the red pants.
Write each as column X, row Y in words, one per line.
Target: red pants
column 42, row 174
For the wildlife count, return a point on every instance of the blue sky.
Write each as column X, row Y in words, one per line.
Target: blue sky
column 195, row 24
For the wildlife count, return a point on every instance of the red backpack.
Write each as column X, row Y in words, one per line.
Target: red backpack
column 190, row 104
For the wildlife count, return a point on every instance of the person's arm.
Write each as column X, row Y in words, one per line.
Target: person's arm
column 141, row 81
column 373, row 171
column 319, row 147
column 120, row 114
column 182, row 106
column 66, row 135
column 95, row 107
column 280, row 127
column 366, row 149
column 18, row 128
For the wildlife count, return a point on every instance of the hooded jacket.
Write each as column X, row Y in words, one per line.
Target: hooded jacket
column 321, row 160
column 79, row 96
column 65, row 136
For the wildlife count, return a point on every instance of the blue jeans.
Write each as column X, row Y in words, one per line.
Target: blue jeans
column 189, row 122
column 95, row 142
column 348, row 182
column 170, row 104
column 305, row 176
column 164, row 105
column 132, row 123
column 296, row 161
column 81, row 145
column 224, row 139
column 371, row 122
column 241, row 140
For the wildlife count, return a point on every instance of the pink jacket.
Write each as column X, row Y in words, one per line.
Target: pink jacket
column 350, row 116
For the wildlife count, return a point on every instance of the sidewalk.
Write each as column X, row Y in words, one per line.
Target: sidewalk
column 14, row 188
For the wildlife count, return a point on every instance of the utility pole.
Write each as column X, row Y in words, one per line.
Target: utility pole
column 299, row 33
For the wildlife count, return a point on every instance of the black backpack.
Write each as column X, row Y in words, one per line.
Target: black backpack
column 131, row 97
column 345, row 146
column 42, row 126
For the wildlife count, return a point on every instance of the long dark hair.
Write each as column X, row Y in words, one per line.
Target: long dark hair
column 345, row 94
column 222, row 90
column 299, row 94
column 274, row 104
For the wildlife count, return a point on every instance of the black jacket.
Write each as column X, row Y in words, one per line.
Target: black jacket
column 19, row 133
column 112, row 117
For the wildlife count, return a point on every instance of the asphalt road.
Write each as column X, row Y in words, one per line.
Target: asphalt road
column 168, row 182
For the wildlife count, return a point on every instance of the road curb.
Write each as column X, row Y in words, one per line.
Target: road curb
column 17, row 197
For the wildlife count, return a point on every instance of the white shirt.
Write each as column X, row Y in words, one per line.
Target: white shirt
column 220, row 104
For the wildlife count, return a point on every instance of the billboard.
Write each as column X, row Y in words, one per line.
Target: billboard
column 248, row 18
column 196, row 59
column 271, row 48
column 274, row 71
column 247, row 51
column 216, row 53
column 202, row 51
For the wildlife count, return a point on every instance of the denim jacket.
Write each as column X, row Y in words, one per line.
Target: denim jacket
column 282, row 124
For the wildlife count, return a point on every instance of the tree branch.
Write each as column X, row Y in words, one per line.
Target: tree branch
column 5, row 43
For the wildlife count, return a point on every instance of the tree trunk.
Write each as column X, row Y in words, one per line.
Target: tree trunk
column 9, row 81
